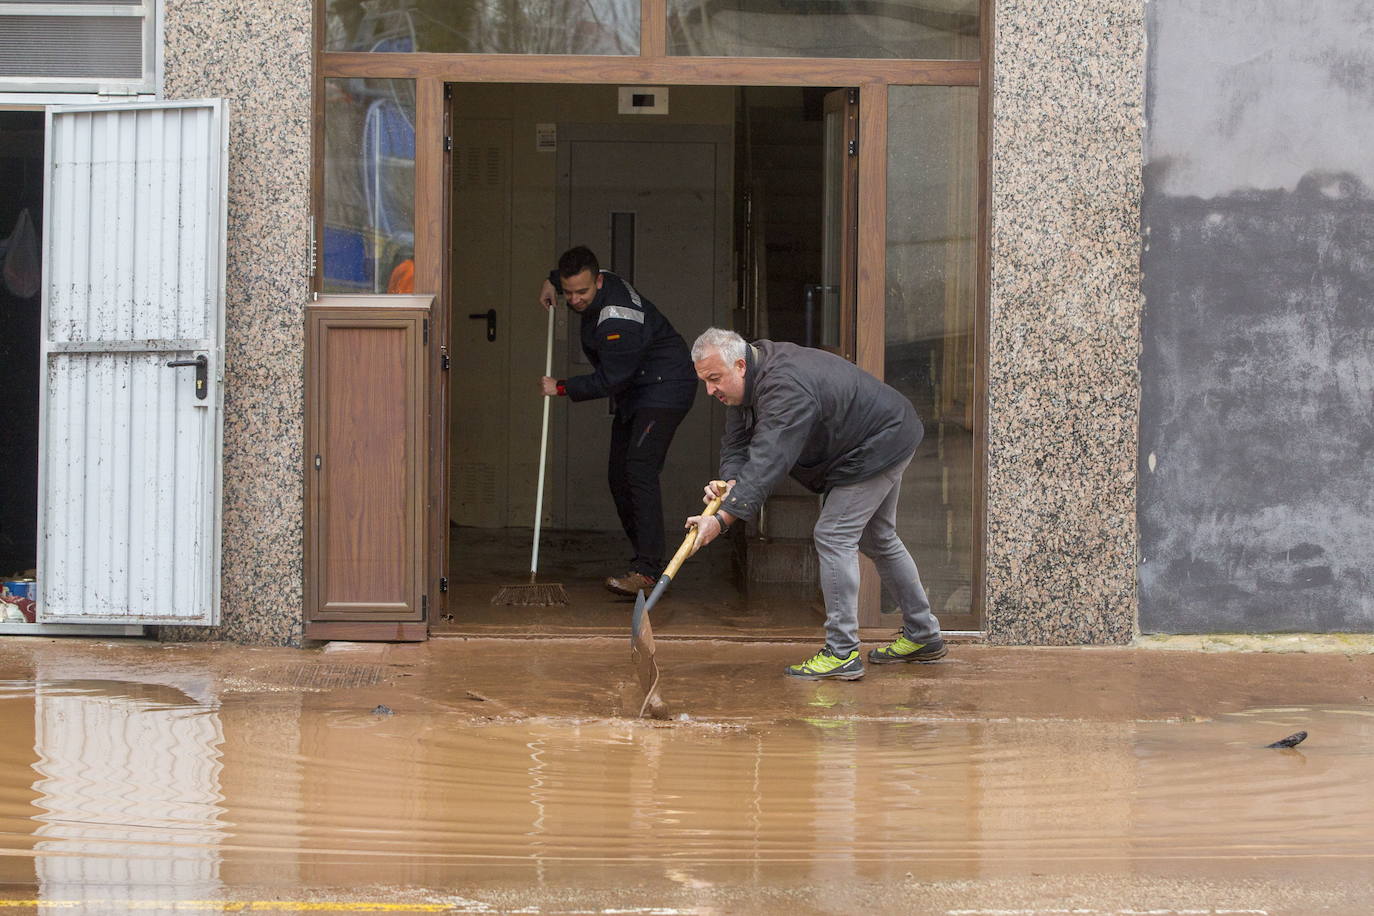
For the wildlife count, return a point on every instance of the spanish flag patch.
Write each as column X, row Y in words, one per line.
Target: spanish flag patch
column 610, row 337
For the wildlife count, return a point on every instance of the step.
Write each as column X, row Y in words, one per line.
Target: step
column 782, row 560
column 790, row 516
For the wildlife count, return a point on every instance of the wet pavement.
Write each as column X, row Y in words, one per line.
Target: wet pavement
column 495, row 776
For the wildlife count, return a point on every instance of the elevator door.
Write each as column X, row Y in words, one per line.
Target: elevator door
column 653, row 204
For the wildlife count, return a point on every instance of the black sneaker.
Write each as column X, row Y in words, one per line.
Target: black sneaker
column 906, row 650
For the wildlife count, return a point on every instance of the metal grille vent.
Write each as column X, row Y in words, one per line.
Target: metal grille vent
column 479, row 167
column 325, row 677
column 477, row 484
column 71, row 47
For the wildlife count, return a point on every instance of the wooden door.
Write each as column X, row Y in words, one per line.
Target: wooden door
column 367, row 462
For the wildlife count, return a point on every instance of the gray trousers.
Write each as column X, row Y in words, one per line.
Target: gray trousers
column 863, row 517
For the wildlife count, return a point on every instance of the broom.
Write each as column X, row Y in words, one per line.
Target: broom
column 536, row 594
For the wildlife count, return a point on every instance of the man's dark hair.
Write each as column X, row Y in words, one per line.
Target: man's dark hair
column 576, row 260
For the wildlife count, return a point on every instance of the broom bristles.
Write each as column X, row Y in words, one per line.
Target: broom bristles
column 545, row 595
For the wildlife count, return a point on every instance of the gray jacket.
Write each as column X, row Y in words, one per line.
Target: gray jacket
column 816, row 414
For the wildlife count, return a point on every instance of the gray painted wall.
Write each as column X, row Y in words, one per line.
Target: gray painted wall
column 1256, row 506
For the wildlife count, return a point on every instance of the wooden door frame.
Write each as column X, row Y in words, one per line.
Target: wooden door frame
column 654, row 66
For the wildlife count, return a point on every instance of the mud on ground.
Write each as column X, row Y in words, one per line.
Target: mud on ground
column 502, row 775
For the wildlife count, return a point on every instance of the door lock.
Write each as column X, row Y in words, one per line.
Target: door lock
column 490, row 317
column 202, row 364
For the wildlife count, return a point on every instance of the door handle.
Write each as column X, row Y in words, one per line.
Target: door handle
column 490, row 316
column 202, row 364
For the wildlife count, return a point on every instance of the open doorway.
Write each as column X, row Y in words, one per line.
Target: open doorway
column 21, row 225
column 715, row 212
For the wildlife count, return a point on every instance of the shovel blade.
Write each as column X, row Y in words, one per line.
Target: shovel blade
column 642, row 654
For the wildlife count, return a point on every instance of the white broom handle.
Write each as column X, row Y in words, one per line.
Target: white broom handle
column 543, row 450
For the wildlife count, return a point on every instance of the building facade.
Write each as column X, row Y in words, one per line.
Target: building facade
column 394, row 169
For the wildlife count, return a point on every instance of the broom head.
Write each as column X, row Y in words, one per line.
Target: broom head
column 532, row 595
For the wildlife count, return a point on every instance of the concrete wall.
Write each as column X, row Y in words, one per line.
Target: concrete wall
column 256, row 53
column 1257, row 427
column 1064, row 321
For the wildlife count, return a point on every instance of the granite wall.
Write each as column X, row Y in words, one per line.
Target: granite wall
column 257, row 54
column 1064, row 340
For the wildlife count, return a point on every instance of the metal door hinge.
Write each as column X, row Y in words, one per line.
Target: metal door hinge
column 443, row 583
column 853, row 147
column 424, row 605
column 313, row 258
column 319, row 462
column 426, row 331
column 443, row 359
column 448, row 144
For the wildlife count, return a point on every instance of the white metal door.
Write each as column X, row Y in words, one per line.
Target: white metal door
column 129, row 446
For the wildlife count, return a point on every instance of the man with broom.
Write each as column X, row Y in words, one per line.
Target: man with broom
column 840, row 432
column 643, row 366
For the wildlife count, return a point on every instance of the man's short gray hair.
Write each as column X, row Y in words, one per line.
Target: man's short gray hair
column 728, row 344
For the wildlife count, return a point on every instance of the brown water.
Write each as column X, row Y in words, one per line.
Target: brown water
column 124, row 794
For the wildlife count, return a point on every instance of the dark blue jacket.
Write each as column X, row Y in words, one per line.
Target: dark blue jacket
column 637, row 357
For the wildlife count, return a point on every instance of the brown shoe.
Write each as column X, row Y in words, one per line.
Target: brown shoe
column 630, row 584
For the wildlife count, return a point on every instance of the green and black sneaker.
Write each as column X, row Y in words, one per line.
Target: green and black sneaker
column 827, row 664
column 905, row 650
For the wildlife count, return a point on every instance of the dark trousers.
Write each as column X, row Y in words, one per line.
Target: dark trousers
column 639, row 446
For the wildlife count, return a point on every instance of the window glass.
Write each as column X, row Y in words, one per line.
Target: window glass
column 369, row 185
column 932, row 218
column 921, row 29
column 484, row 26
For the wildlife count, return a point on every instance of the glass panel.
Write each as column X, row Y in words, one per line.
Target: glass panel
column 369, row 184
column 484, row 26
column 932, row 218
column 921, row 29
column 826, row 296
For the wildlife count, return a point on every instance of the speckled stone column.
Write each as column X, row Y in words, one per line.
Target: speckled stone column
column 256, row 53
column 1063, row 378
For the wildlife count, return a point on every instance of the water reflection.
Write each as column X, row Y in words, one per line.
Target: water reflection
column 934, row 29
column 483, row 26
column 166, row 790
column 128, row 789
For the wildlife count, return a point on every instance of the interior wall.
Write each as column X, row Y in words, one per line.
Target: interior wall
column 530, row 221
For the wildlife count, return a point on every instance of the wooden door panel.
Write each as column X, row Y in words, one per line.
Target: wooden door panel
column 367, row 463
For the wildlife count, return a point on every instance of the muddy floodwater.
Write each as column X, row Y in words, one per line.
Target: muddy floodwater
column 490, row 776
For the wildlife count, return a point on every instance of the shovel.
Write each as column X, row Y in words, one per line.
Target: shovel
column 642, row 632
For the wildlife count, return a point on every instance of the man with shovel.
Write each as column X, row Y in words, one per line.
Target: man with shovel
column 840, row 432
column 641, row 363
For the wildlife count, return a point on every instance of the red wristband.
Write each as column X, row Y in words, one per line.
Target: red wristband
column 562, row 388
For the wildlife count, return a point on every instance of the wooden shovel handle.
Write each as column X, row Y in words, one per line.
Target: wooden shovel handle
column 686, row 549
